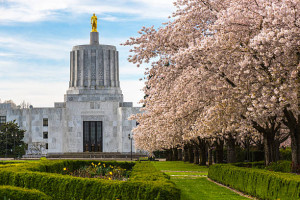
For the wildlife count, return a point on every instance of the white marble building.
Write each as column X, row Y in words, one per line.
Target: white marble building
column 93, row 116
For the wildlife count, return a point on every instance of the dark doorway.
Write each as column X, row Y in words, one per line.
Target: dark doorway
column 92, row 136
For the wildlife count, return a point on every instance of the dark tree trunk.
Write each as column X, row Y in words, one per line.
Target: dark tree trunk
column 202, row 151
column 191, row 154
column 219, row 151
column 276, row 149
column 269, row 148
column 196, row 155
column 231, row 153
column 210, row 156
column 174, row 154
column 294, row 126
column 186, row 153
column 168, row 155
column 180, row 154
column 271, row 129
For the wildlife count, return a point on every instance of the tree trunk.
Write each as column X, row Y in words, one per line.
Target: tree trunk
column 219, row 151
column 276, row 149
column 202, row 151
column 269, row 131
column 210, row 156
column 196, row 155
column 294, row 126
column 186, row 153
column 191, row 155
column 269, row 148
column 180, row 154
column 168, row 155
column 202, row 155
column 174, row 154
column 295, row 145
column 231, row 153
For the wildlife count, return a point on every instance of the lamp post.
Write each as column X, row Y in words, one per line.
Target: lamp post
column 130, row 138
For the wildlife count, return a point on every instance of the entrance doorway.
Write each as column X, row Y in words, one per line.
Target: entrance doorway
column 92, row 136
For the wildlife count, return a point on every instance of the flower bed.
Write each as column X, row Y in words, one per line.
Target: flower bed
column 99, row 170
column 46, row 176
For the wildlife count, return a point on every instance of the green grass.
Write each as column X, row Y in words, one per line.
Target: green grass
column 185, row 173
column 179, row 166
column 201, row 188
column 195, row 188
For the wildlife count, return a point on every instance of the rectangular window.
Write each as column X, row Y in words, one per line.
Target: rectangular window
column 46, row 145
column 45, row 122
column 2, row 120
column 45, row 135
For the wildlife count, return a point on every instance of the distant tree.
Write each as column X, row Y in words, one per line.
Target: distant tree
column 24, row 104
column 11, row 140
column 11, row 102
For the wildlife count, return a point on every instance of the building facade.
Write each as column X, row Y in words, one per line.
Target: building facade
column 93, row 116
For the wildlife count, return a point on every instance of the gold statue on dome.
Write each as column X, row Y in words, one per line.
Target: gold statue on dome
column 94, row 23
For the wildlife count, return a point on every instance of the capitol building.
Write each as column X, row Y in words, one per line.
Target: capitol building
column 93, row 116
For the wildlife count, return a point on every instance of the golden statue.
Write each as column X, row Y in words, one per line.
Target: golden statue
column 94, row 23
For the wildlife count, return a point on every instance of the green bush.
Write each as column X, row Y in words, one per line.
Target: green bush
column 280, row 166
column 16, row 193
column 257, row 165
column 145, row 183
column 261, row 183
column 285, row 154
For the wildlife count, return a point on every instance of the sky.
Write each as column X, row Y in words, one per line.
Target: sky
column 36, row 37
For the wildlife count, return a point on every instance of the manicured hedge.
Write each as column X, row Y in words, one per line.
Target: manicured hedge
column 17, row 193
column 150, row 184
column 261, row 183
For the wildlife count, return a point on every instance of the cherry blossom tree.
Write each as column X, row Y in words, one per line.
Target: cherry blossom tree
column 244, row 53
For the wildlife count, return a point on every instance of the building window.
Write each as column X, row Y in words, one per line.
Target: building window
column 46, row 145
column 2, row 120
column 45, row 135
column 45, row 122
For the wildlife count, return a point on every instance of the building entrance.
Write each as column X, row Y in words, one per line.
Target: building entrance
column 92, row 136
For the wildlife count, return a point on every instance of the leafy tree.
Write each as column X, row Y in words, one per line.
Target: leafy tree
column 11, row 140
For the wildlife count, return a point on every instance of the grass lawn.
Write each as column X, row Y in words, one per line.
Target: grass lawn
column 179, row 166
column 194, row 188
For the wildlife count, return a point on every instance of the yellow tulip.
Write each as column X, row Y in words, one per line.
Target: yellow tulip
column 65, row 169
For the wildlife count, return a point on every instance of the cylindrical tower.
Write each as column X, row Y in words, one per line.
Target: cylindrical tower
column 94, row 70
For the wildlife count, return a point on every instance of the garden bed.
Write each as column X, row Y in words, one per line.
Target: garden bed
column 52, row 178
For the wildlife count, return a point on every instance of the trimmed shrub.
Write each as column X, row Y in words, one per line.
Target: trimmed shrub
column 17, row 193
column 257, row 165
column 144, row 183
column 285, row 154
column 280, row 166
column 261, row 183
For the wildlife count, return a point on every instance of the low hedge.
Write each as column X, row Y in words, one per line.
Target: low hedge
column 260, row 183
column 139, row 186
column 280, row 166
column 17, row 193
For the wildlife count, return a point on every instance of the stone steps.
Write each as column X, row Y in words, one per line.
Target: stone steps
column 96, row 155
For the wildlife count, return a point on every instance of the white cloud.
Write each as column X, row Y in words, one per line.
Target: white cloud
column 37, row 10
column 132, row 91
column 33, row 47
column 38, row 93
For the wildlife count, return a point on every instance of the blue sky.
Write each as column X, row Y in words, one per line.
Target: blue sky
column 36, row 37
